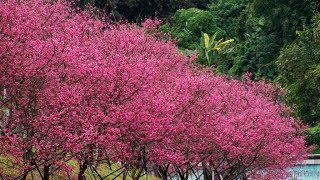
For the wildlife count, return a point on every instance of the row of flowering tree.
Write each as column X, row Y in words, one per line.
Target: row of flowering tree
column 75, row 87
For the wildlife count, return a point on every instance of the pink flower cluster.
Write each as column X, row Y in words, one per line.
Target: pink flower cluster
column 75, row 87
column 151, row 23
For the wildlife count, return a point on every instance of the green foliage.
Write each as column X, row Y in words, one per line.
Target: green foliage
column 313, row 137
column 263, row 28
column 257, row 55
column 226, row 14
column 189, row 24
column 298, row 66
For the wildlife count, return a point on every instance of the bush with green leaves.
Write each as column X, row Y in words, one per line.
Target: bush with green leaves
column 313, row 137
column 189, row 24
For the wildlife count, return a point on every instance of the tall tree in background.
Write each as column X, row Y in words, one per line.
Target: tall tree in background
column 299, row 72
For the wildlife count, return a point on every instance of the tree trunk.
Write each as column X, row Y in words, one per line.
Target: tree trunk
column 133, row 174
column 207, row 175
column 24, row 177
column 46, row 174
column 136, row 174
column 163, row 172
column 124, row 175
column 82, row 170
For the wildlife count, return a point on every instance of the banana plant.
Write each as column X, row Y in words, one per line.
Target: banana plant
column 210, row 48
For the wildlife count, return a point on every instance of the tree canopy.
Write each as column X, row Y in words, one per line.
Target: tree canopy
column 76, row 87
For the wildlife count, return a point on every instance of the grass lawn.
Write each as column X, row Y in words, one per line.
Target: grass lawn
column 10, row 171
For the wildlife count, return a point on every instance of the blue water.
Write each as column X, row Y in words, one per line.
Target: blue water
column 306, row 172
column 299, row 172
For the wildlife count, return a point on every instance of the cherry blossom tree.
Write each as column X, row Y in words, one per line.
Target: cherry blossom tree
column 45, row 62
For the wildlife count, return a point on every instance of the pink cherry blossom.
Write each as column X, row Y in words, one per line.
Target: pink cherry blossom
column 75, row 87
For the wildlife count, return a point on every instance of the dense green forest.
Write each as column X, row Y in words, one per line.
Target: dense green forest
column 275, row 40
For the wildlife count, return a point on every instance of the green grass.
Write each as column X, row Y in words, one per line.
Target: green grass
column 10, row 170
